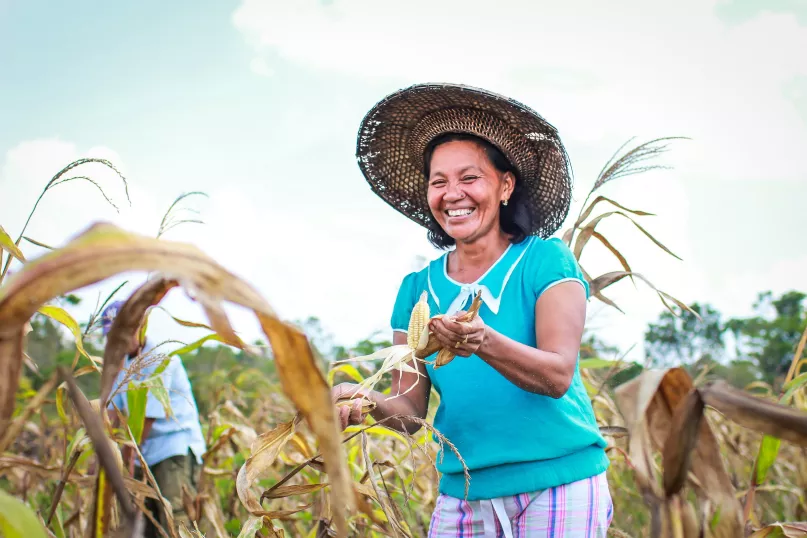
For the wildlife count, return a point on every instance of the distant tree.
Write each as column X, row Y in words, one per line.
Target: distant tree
column 684, row 340
column 770, row 337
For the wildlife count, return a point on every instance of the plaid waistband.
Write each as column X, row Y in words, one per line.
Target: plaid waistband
column 581, row 509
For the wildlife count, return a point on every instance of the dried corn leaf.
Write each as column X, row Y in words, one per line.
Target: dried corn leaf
column 105, row 250
column 782, row 530
column 648, row 403
column 265, row 450
column 250, row 527
column 288, row 491
column 305, row 385
column 590, row 208
column 754, row 413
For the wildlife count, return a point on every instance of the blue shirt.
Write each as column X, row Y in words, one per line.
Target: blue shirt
column 170, row 435
column 513, row 441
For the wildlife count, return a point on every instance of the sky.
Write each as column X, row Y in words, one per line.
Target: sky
column 257, row 104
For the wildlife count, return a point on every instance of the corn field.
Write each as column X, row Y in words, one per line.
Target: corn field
column 689, row 457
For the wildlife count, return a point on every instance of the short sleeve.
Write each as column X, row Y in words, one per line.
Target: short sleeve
column 555, row 263
column 407, row 297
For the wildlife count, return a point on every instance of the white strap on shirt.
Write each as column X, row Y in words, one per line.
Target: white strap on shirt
column 495, row 508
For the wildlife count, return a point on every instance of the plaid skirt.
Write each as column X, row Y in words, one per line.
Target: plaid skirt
column 581, row 509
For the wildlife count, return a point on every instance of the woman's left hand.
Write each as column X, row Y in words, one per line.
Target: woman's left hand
column 464, row 339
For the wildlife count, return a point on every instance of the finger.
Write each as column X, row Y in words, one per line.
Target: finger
column 445, row 340
column 441, row 330
column 459, row 328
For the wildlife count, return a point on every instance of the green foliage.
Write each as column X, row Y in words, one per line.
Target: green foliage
column 684, row 339
column 17, row 520
column 765, row 342
column 770, row 337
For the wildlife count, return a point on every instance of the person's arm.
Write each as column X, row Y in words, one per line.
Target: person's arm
column 414, row 403
column 560, row 314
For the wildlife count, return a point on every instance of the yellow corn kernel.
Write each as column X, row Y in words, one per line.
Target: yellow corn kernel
column 418, row 322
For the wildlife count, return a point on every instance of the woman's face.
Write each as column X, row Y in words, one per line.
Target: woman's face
column 465, row 190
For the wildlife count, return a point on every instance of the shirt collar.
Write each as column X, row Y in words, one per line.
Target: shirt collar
column 451, row 296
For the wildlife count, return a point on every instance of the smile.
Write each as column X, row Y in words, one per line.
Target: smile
column 459, row 212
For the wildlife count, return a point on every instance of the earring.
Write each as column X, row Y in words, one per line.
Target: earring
column 504, row 202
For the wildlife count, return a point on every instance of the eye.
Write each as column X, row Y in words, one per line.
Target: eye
column 468, row 179
column 439, row 182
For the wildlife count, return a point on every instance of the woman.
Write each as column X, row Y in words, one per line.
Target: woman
column 490, row 178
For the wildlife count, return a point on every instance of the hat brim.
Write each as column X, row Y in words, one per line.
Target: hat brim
column 394, row 134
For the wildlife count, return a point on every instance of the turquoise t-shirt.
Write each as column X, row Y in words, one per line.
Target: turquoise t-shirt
column 512, row 441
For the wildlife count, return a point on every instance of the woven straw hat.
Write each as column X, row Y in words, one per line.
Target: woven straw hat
column 394, row 134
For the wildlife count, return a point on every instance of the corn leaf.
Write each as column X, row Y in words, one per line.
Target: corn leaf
column 757, row 414
column 265, row 450
column 193, row 346
column 768, row 450
column 60, row 315
column 647, row 403
column 37, row 243
column 594, row 364
column 105, row 250
column 136, row 400
column 791, row 388
column 613, row 250
column 18, row 520
column 157, row 389
column 6, row 243
column 588, row 231
column 250, row 527
column 347, row 369
column 782, row 530
column 599, row 199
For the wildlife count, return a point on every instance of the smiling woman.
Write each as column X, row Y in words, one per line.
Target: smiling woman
column 489, row 177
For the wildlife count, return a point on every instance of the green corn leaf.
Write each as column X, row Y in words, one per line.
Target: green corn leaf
column 156, row 387
column 6, row 243
column 60, row 315
column 768, row 451
column 595, row 364
column 136, row 398
column 791, row 388
column 196, row 345
column 18, row 520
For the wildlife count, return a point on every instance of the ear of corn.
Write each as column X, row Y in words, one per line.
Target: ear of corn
column 418, row 323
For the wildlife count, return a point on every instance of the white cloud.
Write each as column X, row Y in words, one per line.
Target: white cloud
column 259, row 66
column 629, row 68
column 601, row 73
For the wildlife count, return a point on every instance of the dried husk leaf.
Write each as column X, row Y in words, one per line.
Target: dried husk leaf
column 686, row 422
column 647, row 403
column 445, row 355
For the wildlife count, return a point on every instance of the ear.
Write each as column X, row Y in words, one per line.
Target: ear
column 508, row 185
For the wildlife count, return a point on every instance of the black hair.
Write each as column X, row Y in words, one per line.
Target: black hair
column 516, row 218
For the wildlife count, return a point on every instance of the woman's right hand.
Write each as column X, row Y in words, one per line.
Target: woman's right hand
column 352, row 411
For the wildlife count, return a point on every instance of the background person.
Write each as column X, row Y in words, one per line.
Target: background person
column 172, row 446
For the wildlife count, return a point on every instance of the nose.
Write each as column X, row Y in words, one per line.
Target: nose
column 454, row 193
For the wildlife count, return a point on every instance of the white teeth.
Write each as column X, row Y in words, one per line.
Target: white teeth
column 459, row 212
